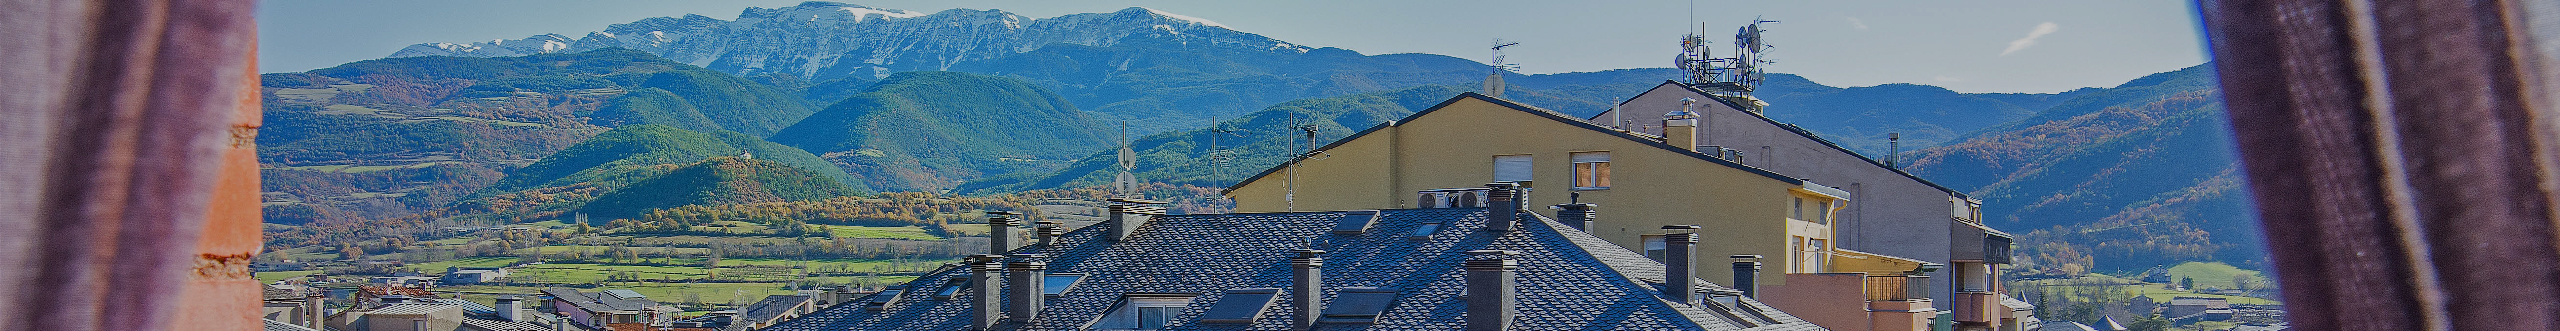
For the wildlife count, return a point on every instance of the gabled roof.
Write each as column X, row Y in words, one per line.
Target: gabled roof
column 1647, row 140
column 1800, row 131
column 1567, row 280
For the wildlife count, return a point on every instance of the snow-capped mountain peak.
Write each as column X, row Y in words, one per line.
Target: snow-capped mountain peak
column 823, row 40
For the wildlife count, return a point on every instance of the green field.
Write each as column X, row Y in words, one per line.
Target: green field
column 2210, row 274
column 273, row 276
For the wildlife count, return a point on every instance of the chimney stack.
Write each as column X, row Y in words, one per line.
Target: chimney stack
column 1746, row 274
column 1025, row 297
column 1000, row 235
column 1680, row 128
column 1048, row 232
column 982, row 279
column 1491, row 295
column 1308, row 293
column 1577, row 215
column 313, row 310
column 1678, row 257
column 1127, row 214
column 1502, row 203
column 510, row 308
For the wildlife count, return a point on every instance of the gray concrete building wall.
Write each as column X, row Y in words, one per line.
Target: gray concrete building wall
column 1889, row 212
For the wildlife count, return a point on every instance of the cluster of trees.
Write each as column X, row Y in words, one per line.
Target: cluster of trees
column 790, row 218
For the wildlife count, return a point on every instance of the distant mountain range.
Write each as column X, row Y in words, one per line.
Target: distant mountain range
column 666, row 111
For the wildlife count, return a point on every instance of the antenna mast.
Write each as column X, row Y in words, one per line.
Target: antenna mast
column 1493, row 85
column 1126, row 184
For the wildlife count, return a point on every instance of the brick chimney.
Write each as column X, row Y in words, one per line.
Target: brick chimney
column 1128, row 214
column 1491, row 295
column 1502, row 205
column 1577, row 215
column 982, row 280
column 1680, row 128
column 1307, row 295
column 1023, row 291
column 510, row 308
column 1048, row 232
column 1678, row 257
column 1746, row 274
column 1000, row 235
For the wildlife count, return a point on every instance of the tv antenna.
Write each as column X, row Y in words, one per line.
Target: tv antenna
column 1493, row 85
column 1218, row 158
column 1307, row 129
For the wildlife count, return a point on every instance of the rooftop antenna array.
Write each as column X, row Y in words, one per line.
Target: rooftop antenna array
column 1125, row 185
column 1732, row 77
column 1493, row 85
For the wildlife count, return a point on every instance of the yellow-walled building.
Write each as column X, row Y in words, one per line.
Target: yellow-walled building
column 1638, row 182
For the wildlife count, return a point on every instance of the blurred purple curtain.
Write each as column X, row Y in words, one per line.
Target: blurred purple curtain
column 2403, row 156
column 113, row 116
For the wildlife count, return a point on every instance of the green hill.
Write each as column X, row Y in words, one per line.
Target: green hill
column 388, row 138
column 2136, row 175
column 1252, row 143
column 613, row 153
column 717, row 181
column 930, row 131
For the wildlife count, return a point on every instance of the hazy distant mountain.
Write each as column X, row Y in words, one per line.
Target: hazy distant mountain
column 1159, row 71
column 391, row 137
column 931, row 130
column 1244, row 146
column 2139, row 174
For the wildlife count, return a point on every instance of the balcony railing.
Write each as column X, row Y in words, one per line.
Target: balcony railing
column 1892, row 288
column 1977, row 307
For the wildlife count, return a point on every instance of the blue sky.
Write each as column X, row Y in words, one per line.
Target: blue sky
column 1968, row 46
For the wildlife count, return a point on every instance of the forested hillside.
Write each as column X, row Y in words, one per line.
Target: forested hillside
column 2121, row 178
column 929, row 131
column 389, row 138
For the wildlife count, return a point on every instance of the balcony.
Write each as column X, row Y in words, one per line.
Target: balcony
column 1978, row 307
column 1897, row 288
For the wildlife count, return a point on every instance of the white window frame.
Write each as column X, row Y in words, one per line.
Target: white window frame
column 1591, row 168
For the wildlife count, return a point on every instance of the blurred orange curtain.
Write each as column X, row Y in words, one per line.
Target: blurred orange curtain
column 128, row 181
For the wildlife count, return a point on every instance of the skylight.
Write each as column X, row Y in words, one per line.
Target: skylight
column 1355, row 222
column 1240, row 305
column 1423, row 232
column 1053, row 285
column 951, row 288
column 1358, row 304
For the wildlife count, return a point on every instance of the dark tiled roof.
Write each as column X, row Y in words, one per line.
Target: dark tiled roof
column 273, row 325
column 1568, row 280
column 493, row 325
column 773, row 306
